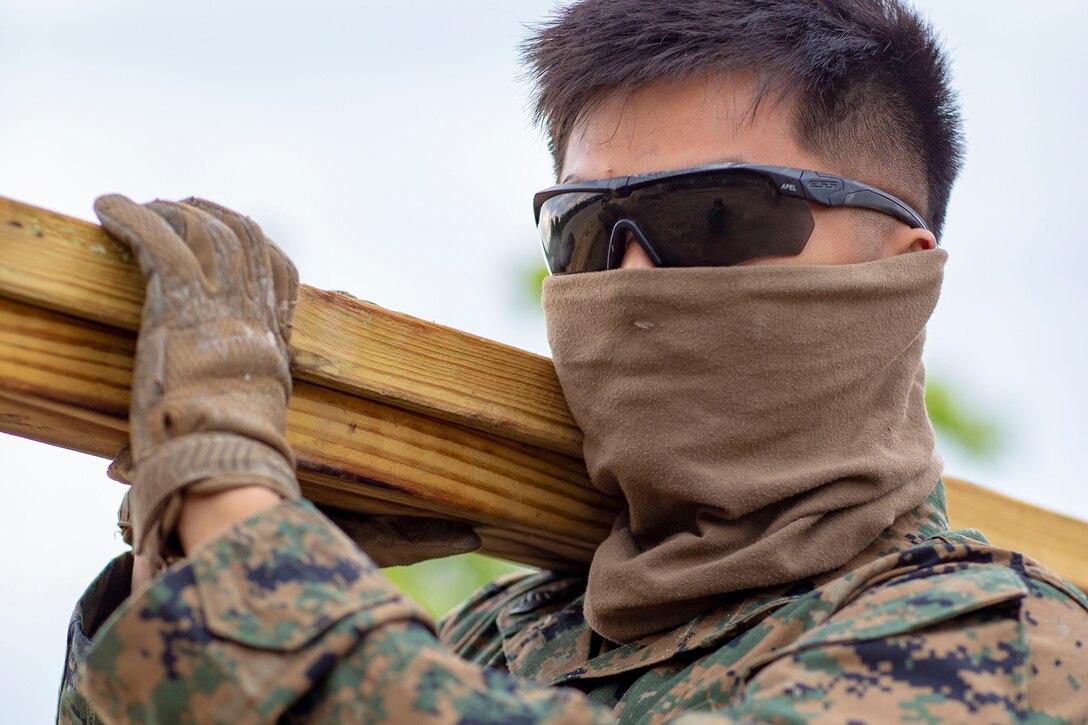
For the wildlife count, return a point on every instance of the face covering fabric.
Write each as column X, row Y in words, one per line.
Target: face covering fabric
column 764, row 424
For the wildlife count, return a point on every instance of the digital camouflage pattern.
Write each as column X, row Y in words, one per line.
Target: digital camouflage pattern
column 284, row 619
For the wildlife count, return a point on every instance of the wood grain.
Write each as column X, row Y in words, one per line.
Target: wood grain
column 67, row 265
column 66, row 382
column 390, row 414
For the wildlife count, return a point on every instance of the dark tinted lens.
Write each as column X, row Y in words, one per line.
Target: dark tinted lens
column 574, row 233
column 720, row 219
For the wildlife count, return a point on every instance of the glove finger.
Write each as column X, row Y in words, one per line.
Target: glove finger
column 120, row 469
column 213, row 244
column 405, row 540
column 254, row 265
column 285, row 279
column 163, row 256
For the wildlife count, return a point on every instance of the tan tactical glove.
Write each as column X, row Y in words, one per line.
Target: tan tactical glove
column 212, row 380
column 211, row 377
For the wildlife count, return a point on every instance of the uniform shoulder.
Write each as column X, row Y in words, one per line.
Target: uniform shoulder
column 1038, row 579
column 951, row 629
column 940, row 580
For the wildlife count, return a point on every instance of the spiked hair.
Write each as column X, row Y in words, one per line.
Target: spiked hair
column 868, row 79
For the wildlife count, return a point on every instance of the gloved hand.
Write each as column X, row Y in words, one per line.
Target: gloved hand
column 211, row 380
column 211, row 377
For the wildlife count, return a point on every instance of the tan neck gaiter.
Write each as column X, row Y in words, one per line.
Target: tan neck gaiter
column 764, row 424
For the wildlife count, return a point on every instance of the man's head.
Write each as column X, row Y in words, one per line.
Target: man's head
column 853, row 87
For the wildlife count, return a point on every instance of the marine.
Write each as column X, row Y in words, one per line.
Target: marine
column 745, row 250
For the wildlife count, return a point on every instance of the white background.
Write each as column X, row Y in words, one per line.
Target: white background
column 387, row 148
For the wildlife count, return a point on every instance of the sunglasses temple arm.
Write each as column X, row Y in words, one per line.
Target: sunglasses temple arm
column 871, row 199
column 836, row 191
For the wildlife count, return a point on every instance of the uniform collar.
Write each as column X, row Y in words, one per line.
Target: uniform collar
column 546, row 637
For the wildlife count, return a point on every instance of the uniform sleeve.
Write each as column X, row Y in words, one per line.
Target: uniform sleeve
column 284, row 619
column 107, row 592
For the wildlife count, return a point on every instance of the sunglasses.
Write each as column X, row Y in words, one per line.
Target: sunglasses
column 713, row 216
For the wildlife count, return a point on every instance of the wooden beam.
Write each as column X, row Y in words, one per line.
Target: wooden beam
column 390, row 414
column 67, row 265
column 66, row 382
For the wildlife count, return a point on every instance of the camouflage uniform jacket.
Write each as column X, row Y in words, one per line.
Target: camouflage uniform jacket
column 284, row 619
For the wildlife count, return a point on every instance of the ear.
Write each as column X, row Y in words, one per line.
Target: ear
column 903, row 239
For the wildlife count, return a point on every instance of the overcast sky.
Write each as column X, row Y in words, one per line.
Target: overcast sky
column 386, row 148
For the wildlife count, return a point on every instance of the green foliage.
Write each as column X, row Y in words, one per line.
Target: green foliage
column 976, row 434
column 532, row 279
column 441, row 584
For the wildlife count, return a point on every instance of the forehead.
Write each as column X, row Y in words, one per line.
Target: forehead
column 671, row 124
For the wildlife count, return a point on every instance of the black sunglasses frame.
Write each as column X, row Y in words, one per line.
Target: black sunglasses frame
column 815, row 186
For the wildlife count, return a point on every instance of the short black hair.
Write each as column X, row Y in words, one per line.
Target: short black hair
column 869, row 79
